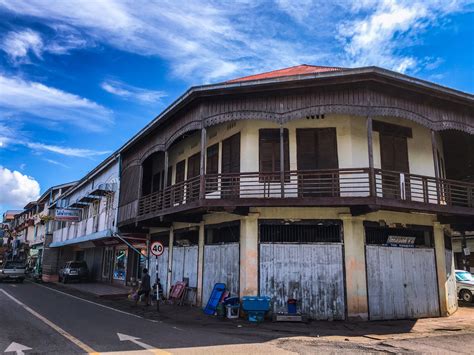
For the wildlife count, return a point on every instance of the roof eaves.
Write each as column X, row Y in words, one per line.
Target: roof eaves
column 195, row 90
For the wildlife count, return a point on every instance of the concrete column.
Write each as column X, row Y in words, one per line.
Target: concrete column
column 200, row 264
column 440, row 253
column 355, row 266
column 170, row 259
column 249, row 255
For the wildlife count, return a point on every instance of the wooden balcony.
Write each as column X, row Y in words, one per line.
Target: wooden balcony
column 362, row 188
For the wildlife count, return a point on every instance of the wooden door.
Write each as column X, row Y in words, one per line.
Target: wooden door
column 212, row 168
column 394, row 160
column 192, row 187
column 179, row 182
column 231, row 166
column 317, row 150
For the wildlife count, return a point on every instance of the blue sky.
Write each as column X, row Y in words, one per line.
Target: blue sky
column 79, row 78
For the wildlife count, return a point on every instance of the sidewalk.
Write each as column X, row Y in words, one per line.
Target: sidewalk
column 98, row 289
column 461, row 322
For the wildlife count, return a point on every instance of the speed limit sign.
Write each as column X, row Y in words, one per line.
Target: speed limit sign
column 157, row 248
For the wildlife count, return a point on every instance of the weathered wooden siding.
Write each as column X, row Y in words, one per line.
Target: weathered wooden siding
column 185, row 264
column 451, row 290
column 221, row 264
column 162, row 269
column 311, row 273
column 402, row 283
column 287, row 105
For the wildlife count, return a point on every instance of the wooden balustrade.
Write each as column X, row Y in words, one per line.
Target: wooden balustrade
column 343, row 184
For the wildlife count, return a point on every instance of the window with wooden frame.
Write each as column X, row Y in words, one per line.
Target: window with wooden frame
column 212, row 167
column 269, row 154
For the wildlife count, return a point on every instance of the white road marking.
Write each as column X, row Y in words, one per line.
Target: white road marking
column 12, row 285
column 135, row 340
column 17, row 348
column 60, row 330
column 92, row 302
column 178, row 328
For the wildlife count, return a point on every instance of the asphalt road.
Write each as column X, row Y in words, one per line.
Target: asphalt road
column 38, row 319
column 48, row 321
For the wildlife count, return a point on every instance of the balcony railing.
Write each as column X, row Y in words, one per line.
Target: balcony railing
column 338, row 186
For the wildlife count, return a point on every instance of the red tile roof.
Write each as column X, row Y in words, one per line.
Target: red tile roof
column 302, row 69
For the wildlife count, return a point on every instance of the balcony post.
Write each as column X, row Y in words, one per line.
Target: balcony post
column 370, row 148
column 282, row 161
column 165, row 178
column 202, row 171
column 436, row 165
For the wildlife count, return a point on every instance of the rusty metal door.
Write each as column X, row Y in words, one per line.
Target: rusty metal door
column 402, row 282
column 221, row 264
column 311, row 273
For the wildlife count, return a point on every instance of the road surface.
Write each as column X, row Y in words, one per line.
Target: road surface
column 38, row 319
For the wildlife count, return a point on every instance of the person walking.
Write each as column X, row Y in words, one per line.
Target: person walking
column 145, row 287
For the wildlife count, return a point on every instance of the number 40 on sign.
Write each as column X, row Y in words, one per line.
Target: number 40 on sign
column 157, row 248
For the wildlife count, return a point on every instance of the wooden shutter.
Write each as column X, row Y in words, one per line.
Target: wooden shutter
column 212, row 159
column 169, row 177
column 194, row 165
column 231, row 154
column 394, row 153
column 316, row 148
column 212, row 167
column 327, row 149
column 269, row 152
column 180, row 167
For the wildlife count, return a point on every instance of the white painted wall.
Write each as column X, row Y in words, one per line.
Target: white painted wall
column 351, row 142
column 106, row 207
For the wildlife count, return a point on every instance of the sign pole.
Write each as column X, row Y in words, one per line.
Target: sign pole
column 157, row 286
column 157, row 249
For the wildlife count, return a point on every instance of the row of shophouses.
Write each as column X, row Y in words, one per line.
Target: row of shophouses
column 345, row 189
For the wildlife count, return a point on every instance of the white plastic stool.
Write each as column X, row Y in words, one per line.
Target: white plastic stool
column 233, row 311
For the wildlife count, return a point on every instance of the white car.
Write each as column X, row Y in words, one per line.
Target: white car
column 465, row 285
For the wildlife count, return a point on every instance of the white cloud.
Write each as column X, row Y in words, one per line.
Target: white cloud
column 130, row 92
column 19, row 44
column 210, row 40
column 16, row 189
column 54, row 106
column 203, row 40
column 55, row 162
column 71, row 152
column 385, row 28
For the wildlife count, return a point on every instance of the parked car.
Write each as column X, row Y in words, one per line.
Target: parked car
column 13, row 270
column 465, row 285
column 74, row 270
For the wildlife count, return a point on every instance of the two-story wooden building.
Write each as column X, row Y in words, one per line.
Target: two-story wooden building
column 336, row 187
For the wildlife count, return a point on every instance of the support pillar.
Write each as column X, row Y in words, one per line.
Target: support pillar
column 370, row 150
column 200, row 263
column 170, row 259
column 249, row 255
column 440, row 253
column 202, row 168
column 355, row 267
column 282, row 161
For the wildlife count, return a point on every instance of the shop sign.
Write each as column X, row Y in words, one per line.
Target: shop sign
column 401, row 241
column 67, row 214
column 466, row 251
column 157, row 248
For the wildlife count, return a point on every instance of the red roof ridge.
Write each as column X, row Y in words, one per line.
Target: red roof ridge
column 290, row 71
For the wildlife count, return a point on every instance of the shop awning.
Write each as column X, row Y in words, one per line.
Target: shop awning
column 78, row 204
column 89, row 198
column 108, row 233
column 104, row 189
